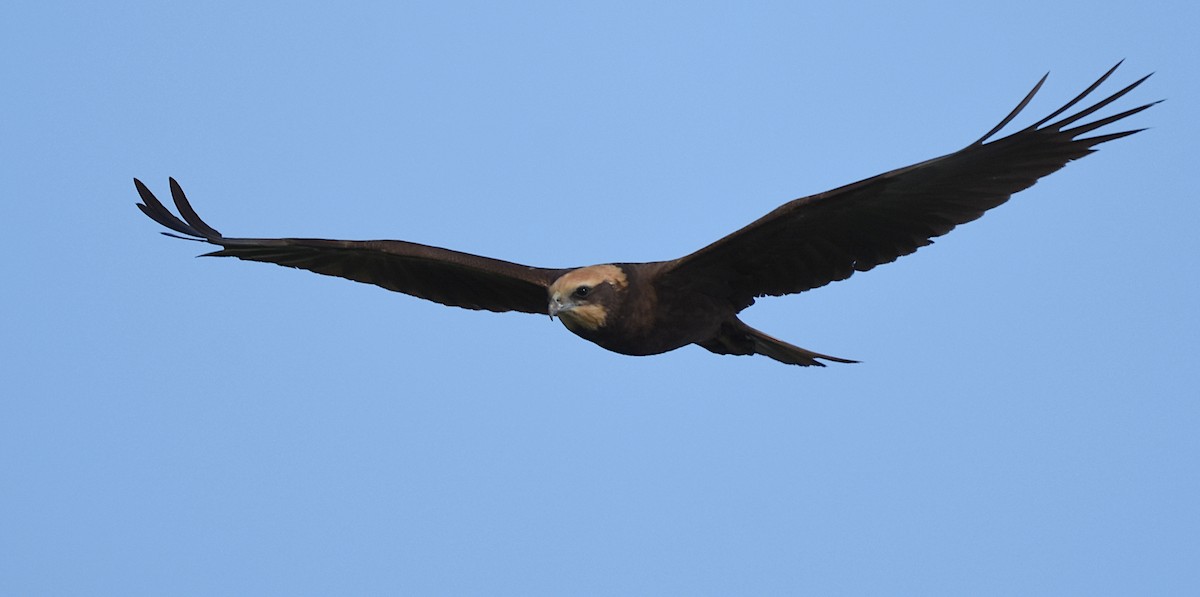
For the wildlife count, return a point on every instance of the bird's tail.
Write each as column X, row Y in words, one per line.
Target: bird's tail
column 738, row 338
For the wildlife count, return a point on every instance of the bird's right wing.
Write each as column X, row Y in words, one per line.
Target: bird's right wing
column 440, row 275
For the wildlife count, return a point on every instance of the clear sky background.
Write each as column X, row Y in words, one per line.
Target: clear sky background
column 1024, row 420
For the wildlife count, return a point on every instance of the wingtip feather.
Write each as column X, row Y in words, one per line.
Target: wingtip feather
column 189, row 214
column 155, row 210
column 1015, row 111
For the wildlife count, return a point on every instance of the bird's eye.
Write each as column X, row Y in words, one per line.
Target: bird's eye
column 582, row 291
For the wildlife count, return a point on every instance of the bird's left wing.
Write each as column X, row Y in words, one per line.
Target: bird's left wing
column 441, row 275
column 826, row 237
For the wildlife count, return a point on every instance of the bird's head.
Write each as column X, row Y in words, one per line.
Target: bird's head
column 584, row 298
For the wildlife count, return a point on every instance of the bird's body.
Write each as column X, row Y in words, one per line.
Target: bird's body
column 650, row 308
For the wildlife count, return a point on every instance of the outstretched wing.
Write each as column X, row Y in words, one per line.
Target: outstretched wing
column 441, row 275
column 815, row 240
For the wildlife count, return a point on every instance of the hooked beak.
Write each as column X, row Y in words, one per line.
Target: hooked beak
column 557, row 306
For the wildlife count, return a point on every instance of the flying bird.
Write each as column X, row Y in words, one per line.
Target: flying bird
column 655, row 307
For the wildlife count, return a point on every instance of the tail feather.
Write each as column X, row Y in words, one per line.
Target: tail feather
column 789, row 353
column 737, row 338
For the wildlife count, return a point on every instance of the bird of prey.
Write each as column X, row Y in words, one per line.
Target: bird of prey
column 655, row 307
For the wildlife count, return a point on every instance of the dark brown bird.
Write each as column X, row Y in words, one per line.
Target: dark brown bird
column 651, row 308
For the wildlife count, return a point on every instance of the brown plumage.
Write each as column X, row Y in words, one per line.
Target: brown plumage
column 650, row 308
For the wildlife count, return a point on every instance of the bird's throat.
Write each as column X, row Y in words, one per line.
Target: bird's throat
column 584, row 318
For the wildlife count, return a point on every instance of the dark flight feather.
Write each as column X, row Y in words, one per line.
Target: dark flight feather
column 823, row 238
column 441, row 275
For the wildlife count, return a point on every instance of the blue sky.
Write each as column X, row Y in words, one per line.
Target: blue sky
column 1023, row 421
